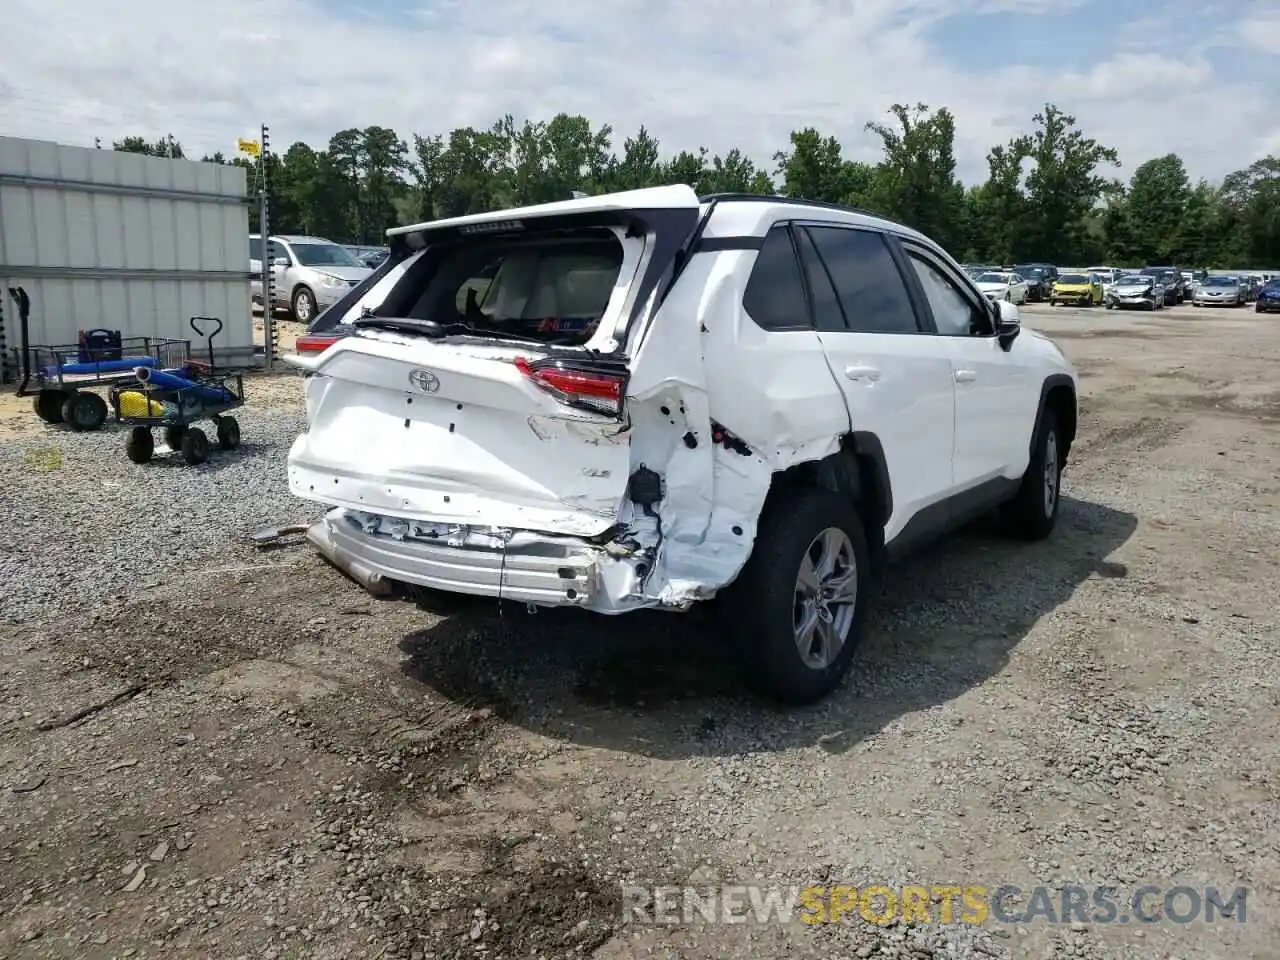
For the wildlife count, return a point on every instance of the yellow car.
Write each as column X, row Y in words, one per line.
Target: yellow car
column 1084, row 289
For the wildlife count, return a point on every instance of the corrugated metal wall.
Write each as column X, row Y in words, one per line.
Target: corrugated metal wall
column 102, row 239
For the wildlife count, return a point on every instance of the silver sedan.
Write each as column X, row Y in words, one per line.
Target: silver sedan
column 1220, row 291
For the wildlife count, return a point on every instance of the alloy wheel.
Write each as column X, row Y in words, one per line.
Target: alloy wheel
column 826, row 596
column 1051, row 476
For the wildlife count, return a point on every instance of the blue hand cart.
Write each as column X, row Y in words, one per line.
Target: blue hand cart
column 163, row 399
column 57, row 377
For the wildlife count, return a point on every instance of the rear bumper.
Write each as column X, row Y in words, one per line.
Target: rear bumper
column 529, row 569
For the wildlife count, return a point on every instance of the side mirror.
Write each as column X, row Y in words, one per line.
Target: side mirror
column 1008, row 324
column 280, row 261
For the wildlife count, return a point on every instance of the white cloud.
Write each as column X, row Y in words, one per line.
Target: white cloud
column 715, row 72
column 1262, row 32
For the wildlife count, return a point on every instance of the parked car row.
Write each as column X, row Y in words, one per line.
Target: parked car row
column 1149, row 288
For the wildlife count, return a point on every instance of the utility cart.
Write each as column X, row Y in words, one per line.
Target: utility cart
column 57, row 377
column 161, row 399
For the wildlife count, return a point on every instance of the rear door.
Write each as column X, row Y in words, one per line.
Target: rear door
column 488, row 389
column 896, row 376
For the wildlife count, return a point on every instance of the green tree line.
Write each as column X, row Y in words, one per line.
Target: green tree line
column 1050, row 194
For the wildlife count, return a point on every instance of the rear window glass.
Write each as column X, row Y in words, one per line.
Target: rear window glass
column 774, row 297
column 554, row 288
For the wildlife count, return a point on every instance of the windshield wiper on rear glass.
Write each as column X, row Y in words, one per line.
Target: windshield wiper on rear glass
column 426, row 328
column 430, row 328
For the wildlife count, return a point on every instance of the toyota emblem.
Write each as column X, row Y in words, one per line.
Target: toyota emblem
column 425, row 380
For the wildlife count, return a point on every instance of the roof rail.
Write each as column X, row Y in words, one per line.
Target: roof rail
column 798, row 201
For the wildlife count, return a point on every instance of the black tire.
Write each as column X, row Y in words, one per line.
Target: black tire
column 1029, row 515
column 141, row 446
column 195, row 446
column 173, row 436
column 228, row 433
column 303, row 295
column 1110, row 305
column 47, row 405
column 83, row 411
column 760, row 606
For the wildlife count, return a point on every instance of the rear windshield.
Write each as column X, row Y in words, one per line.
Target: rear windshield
column 553, row 288
column 1069, row 278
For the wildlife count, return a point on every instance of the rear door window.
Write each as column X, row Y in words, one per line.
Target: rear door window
column 775, row 295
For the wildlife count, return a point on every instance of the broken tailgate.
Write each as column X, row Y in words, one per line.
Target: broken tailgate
column 446, row 433
column 495, row 433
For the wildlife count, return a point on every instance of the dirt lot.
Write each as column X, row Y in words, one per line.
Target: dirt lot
column 291, row 769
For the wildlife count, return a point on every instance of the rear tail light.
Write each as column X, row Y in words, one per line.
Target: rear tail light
column 578, row 385
column 314, row 343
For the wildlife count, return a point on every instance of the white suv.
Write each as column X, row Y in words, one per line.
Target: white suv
column 649, row 398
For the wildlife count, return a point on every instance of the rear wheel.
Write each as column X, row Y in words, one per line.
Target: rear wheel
column 799, row 603
column 47, row 405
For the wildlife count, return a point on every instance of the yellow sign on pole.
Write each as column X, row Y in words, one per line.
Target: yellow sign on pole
column 250, row 147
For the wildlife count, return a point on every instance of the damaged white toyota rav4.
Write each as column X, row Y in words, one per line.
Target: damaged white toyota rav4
column 649, row 399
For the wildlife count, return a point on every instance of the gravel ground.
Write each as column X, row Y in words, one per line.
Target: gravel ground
column 89, row 525
column 285, row 767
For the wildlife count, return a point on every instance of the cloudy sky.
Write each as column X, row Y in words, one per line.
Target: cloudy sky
column 1196, row 77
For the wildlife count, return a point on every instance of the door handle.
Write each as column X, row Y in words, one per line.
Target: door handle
column 966, row 376
column 862, row 373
